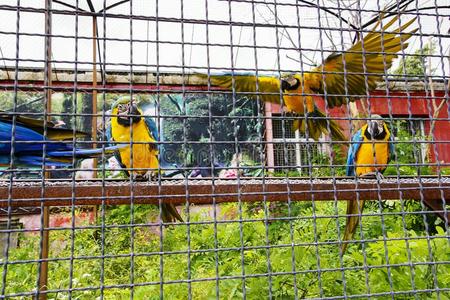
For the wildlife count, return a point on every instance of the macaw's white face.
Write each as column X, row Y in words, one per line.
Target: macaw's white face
column 128, row 113
column 122, row 111
column 375, row 127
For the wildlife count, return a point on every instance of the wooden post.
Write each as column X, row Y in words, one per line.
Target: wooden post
column 269, row 136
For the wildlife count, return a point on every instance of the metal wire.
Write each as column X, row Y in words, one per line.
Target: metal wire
column 264, row 205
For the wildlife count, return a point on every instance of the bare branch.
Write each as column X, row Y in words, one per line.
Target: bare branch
column 312, row 64
column 327, row 33
column 286, row 34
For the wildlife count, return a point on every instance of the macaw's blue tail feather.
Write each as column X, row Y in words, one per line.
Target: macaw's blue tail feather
column 85, row 153
column 56, row 158
column 32, row 160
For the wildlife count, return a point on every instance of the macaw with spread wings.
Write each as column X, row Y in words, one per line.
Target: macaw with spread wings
column 341, row 78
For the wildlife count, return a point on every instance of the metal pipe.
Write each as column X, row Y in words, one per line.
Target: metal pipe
column 94, row 87
column 43, row 267
column 94, row 100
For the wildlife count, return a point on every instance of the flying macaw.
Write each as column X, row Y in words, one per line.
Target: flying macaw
column 127, row 125
column 342, row 76
column 29, row 141
column 369, row 154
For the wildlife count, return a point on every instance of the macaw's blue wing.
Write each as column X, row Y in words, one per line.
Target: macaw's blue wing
column 353, row 207
column 357, row 138
column 108, row 133
column 151, row 125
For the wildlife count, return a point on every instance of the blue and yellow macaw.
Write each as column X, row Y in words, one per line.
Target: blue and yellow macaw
column 141, row 158
column 369, row 154
column 342, row 77
column 29, row 143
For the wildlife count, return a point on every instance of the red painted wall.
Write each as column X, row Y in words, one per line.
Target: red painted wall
column 417, row 104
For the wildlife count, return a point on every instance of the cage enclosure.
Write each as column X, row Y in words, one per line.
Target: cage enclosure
column 233, row 149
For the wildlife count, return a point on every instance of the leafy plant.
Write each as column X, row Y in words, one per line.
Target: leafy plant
column 408, row 154
column 204, row 251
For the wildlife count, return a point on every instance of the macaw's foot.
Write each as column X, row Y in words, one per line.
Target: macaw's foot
column 372, row 175
column 137, row 177
column 150, row 176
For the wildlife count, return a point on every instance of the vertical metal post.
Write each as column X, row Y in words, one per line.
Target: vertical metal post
column 269, row 136
column 298, row 152
column 94, row 84
column 94, row 99
column 43, row 278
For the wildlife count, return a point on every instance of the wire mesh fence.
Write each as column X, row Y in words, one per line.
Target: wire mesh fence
column 224, row 149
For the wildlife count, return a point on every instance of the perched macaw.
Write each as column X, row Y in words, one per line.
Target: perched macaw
column 127, row 125
column 369, row 154
column 342, row 77
column 29, row 143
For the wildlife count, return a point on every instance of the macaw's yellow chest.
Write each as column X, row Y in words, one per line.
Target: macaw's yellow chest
column 302, row 98
column 296, row 103
column 145, row 153
column 376, row 154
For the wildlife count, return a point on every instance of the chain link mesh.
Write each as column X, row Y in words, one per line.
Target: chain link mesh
column 254, row 161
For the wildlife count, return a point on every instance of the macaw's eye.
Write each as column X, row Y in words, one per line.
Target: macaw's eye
column 122, row 107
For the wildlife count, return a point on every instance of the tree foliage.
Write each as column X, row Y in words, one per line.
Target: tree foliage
column 416, row 65
column 214, row 121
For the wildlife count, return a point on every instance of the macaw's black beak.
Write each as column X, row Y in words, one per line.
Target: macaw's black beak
column 129, row 115
column 289, row 83
column 134, row 113
column 374, row 129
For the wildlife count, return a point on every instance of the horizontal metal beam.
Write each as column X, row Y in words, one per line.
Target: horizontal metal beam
column 31, row 193
column 33, row 77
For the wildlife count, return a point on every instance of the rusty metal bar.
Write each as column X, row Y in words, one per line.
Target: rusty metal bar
column 28, row 193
